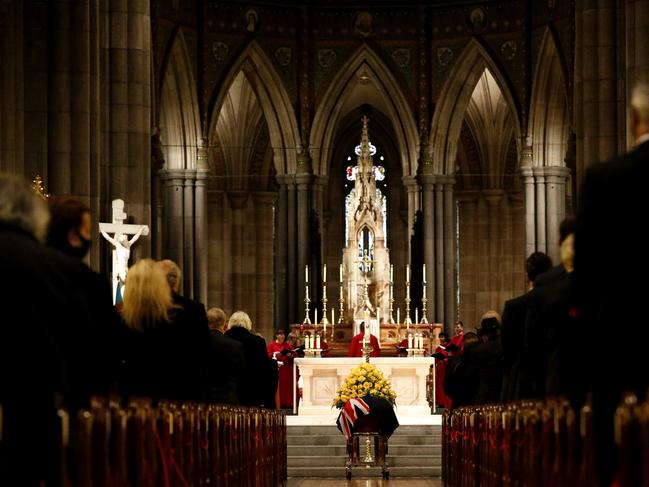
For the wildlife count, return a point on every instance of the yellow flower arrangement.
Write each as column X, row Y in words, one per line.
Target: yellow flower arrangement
column 364, row 380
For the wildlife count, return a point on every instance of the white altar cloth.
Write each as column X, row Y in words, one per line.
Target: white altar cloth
column 323, row 376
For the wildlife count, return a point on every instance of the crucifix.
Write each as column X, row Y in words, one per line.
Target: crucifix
column 121, row 242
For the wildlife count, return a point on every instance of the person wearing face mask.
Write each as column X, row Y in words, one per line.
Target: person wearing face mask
column 70, row 232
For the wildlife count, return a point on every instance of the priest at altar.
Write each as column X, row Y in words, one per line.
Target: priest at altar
column 356, row 345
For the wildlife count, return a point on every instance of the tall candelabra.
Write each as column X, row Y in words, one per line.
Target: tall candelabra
column 424, row 301
column 407, row 321
column 391, row 310
column 325, row 322
column 307, row 320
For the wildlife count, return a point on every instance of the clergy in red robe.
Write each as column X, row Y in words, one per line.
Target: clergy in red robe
column 458, row 339
column 356, row 346
column 282, row 352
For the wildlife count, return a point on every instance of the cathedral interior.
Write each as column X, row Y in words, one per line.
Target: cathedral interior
column 229, row 128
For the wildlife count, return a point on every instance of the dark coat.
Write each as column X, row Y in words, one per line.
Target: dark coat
column 259, row 373
column 513, row 324
column 169, row 360
column 225, row 369
column 486, row 361
column 611, row 269
column 549, row 275
column 460, row 381
column 48, row 345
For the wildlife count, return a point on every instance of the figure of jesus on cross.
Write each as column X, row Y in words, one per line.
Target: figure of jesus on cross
column 121, row 242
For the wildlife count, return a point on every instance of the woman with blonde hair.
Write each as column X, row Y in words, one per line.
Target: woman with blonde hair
column 166, row 356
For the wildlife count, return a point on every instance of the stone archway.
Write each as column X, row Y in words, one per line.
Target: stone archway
column 271, row 94
column 366, row 79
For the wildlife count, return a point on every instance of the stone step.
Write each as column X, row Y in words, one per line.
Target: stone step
column 418, row 430
column 338, row 450
column 339, row 460
column 362, row 472
column 339, row 439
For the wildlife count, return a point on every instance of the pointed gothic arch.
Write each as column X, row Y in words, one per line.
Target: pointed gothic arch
column 275, row 103
column 454, row 99
column 549, row 122
column 180, row 126
column 364, row 66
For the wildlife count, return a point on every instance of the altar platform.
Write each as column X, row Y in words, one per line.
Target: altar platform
column 323, row 376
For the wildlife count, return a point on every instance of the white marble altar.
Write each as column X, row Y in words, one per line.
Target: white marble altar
column 323, row 376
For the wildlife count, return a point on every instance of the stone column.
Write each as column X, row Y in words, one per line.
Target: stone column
column 303, row 183
column 439, row 250
column 12, row 85
column 59, row 138
column 555, row 187
column 530, row 210
column 263, row 275
column 428, row 213
column 450, row 282
column 188, row 233
column 127, row 47
column 201, row 233
column 293, row 305
column 173, row 180
column 596, row 82
column 494, row 197
column 281, row 254
column 541, row 239
column 412, row 189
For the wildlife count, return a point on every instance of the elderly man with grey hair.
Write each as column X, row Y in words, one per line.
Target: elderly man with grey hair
column 611, row 269
column 259, row 378
column 46, row 339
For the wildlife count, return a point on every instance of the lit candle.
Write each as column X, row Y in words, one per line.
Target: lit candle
column 333, row 316
column 391, row 273
column 424, row 274
column 324, row 273
column 398, row 311
column 315, row 316
column 407, row 273
column 317, row 342
column 409, row 341
column 416, row 315
column 341, row 273
column 306, row 273
column 378, row 315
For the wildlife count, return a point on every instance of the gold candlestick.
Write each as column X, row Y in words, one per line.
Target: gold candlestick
column 424, row 301
column 307, row 321
column 325, row 322
column 407, row 321
column 391, row 310
column 341, row 301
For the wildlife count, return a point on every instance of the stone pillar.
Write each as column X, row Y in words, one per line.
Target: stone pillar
column 12, row 84
column 263, row 269
column 555, row 187
column 412, row 189
column 541, row 238
column 530, row 210
column 439, row 251
column 173, row 180
column 596, row 80
column 201, row 233
column 188, row 233
column 450, row 282
column 281, row 255
column 293, row 305
column 428, row 213
column 303, row 183
column 128, row 103
column 59, row 104
column 494, row 198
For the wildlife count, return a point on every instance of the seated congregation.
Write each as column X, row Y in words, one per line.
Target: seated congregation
column 95, row 396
